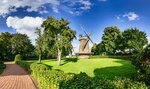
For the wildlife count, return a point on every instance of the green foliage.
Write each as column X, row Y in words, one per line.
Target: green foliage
column 124, row 83
column 143, row 65
column 115, row 42
column 98, row 49
column 5, row 46
column 18, row 57
column 2, row 66
column 55, row 79
column 25, row 65
column 79, row 81
column 21, row 44
column 82, row 81
column 111, row 39
column 48, row 79
column 39, row 43
column 57, row 36
column 12, row 44
column 134, row 40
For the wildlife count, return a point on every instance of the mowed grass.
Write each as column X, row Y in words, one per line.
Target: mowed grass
column 95, row 67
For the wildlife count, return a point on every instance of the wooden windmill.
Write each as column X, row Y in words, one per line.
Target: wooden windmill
column 84, row 49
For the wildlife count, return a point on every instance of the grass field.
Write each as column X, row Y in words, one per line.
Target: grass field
column 95, row 67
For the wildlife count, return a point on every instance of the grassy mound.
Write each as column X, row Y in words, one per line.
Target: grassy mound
column 95, row 67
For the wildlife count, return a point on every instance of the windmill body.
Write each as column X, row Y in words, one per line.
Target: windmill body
column 84, row 49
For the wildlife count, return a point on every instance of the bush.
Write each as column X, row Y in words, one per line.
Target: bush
column 143, row 65
column 25, row 65
column 2, row 66
column 55, row 79
column 48, row 79
column 18, row 57
column 82, row 81
column 125, row 83
column 79, row 81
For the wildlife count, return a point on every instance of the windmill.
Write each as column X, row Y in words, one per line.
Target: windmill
column 84, row 48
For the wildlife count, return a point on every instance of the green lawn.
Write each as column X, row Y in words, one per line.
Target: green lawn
column 95, row 67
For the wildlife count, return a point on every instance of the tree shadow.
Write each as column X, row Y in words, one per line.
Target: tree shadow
column 67, row 60
column 116, row 71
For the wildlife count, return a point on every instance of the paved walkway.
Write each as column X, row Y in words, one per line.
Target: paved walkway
column 14, row 77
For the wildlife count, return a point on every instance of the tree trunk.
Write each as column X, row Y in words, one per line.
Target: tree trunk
column 40, row 58
column 59, row 57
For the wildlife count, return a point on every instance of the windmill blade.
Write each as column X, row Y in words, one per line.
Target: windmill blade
column 85, row 43
column 83, row 30
column 90, row 34
column 87, row 34
column 90, row 39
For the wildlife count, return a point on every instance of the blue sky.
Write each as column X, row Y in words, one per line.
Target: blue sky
column 24, row 16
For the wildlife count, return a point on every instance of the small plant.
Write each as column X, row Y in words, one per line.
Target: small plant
column 18, row 57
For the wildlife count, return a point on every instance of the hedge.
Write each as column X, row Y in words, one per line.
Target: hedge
column 25, row 65
column 18, row 57
column 55, row 79
column 2, row 66
column 126, row 57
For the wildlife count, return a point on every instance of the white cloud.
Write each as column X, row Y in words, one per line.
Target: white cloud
column 131, row 16
column 8, row 6
column 75, row 7
column 26, row 25
column 102, row 0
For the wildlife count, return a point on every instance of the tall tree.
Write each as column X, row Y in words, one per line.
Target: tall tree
column 111, row 39
column 5, row 46
column 134, row 40
column 60, row 35
column 98, row 49
column 39, row 44
column 21, row 44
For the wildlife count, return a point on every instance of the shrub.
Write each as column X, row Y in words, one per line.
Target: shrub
column 79, row 81
column 48, row 79
column 125, row 83
column 143, row 65
column 55, row 79
column 25, row 65
column 18, row 57
column 2, row 66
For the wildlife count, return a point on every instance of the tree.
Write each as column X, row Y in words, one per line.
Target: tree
column 21, row 44
column 112, row 39
column 98, row 49
column 59, row 35
column 134, row 40
column 39, row 44
column 5, row 46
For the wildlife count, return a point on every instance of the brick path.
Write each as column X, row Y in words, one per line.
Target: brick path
column 14, row 77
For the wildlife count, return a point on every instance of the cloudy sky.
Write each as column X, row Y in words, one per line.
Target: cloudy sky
column 23, row 16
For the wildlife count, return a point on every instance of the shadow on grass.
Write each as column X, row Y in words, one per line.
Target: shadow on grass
column 67, row 60
column 116, row 71
column 103, row 77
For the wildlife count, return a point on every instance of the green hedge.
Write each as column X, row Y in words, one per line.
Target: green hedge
column 55, row 79
column 2, row 66
column 48, row 79
column 126, row 57
column 18, row 57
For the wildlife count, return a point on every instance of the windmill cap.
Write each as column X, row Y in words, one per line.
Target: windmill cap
column 83, row 38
